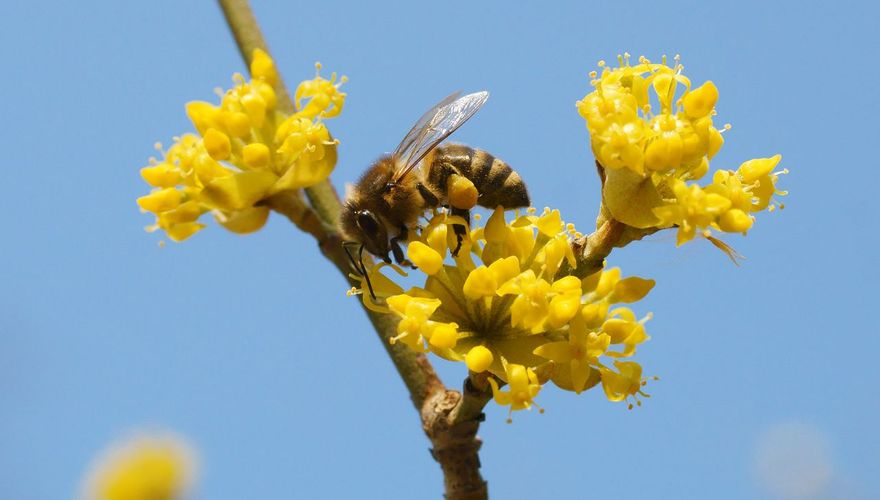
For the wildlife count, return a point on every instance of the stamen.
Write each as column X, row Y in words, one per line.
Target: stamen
column 540, row 408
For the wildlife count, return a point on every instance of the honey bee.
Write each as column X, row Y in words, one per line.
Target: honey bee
column 395, row 191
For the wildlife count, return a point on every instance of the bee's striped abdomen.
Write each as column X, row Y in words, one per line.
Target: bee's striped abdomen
column 497, row 183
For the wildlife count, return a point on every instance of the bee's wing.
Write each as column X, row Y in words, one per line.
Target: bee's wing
column 406, row 145
column 434, row 126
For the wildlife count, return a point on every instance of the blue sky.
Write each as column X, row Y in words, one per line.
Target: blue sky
column 248, row 345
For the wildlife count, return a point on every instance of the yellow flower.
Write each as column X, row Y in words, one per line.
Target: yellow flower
column 652, row 155
column 523, row 386
column 507, row 304
column 246, row 150
column 142, row 468
column 625, row 383
column 531, row 305
column 415, row 329
column 325, row 99
column 726, row 204
column 694, row 209
column 581, row 353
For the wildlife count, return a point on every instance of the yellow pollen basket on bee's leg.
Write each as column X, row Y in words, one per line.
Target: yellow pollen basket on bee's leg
column 462, row 192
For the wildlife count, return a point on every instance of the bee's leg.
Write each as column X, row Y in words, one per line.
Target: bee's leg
column 460, row 230
column 397, row 251
column 359, row 266
column 431, row 200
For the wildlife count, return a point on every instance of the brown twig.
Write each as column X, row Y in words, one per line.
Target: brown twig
column 591, row 250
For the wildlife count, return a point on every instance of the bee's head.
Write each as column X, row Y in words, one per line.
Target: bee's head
column 363, row 226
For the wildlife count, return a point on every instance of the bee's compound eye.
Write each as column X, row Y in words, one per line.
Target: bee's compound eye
column 367, row 222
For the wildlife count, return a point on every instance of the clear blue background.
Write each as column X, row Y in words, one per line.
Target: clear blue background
column 248, row 345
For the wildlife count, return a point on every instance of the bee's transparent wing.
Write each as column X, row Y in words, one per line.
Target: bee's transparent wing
column 417, row 130
column 434, row 126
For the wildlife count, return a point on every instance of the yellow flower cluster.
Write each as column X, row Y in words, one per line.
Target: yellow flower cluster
column 246, row 150
column 653, row 136
column 508, row 304
column 144, row 468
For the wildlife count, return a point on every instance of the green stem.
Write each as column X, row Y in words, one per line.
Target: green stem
column 248, row 36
